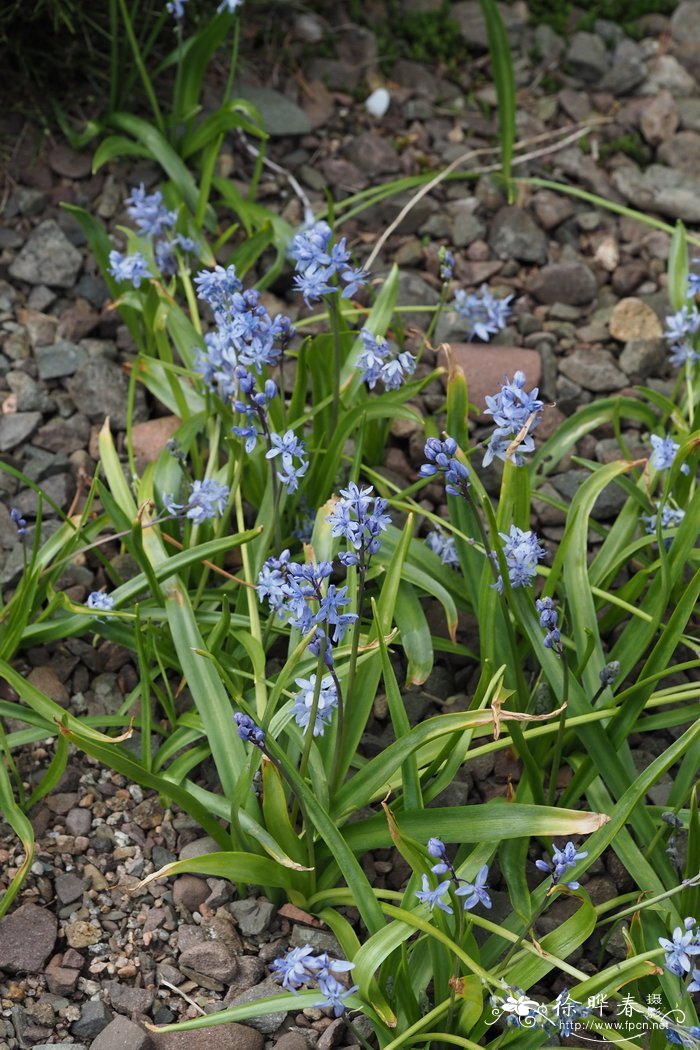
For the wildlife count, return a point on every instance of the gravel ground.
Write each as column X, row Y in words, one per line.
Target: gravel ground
column 83, row 960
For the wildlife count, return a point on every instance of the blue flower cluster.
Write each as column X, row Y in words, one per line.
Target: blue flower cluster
column 562, row 860
column 300, row 968
column 293, row 461
column 681, row 327
column 133, row 268
column 548, row 619
column 302, row 593
column 20, row 522
column 522, row 552
column 207, row 499
column 444, row 546
column 513, row 411
column 100, row 601
column 379, row 363
column 473, row 892
column 154, row 222
column 304, row 702
column 670, row 517
column 485, row 315
column 665, row 449
column 442, row 460
column 684, row 945
column 177, row 7
column 248, row 731
column 447, row 264
column 245, row 333
column 319, row 265
column 360, row 519
column 687, row 1037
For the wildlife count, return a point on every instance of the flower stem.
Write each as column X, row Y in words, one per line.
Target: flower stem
column 559, row 742
column 335, row 329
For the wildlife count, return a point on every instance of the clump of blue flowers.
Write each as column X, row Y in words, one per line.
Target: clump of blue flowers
column 359, row 518
column 516, row 414
column 665, row 449
column 681, row 949
column 300, row 968
column 206, row 499
column 303, row 595
column 323, row 268
column 562, row 860
column 473, row 892
column 548, row 619
column 100, row 601
column 522, row 551
column 444, row 546
column 20, row 522
column 442, row 460
column 485, row 315
column 133, row 268
column 681, row 328
column 380, row 364
column 248, row 731
column 304, row 702
column 669, row 518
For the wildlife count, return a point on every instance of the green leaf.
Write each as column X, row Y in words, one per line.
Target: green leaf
column 24, row 831
column 415, row 635
column 504, row 82
column 678, row 268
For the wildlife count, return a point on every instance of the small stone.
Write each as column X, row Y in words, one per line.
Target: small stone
column 67, row 162
column 634, row 319
column 660, row 189
column 320, row 940
column 63, row 435
column 48, row 257
column 593, row 370
column 682, row 152
column 69, row 887
column 27, row 938
column 58, row 361
column 78, row 821
column 659, row 118
column 469, row 16
column 514, row 234
column 667, row 73
column 48, row 682
column 628, row 277
column 94, row 1018
column 571, row 283
column 199, row 848
column 122, row 1034
column 100, row 388
column 60, row 979
column 128, row 1000
column 291, row 1041
column 552, row 209
column 16, row 427
column 40, row 327
column 253, row 916
column 642, row 358
column 627, row 69
column 221, row 1037
column 81, row 934
column 587, row 57
column 190, row 892
column 211, row 959
column 149, row 438
column 378, row 102
column 280, row 116
column 373, row 154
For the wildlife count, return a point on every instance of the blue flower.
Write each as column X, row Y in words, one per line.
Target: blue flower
column 289, row 447
column 434, row 897
column 441, row 459
column 318, row 264
column 684, row 322
column 484, row 314
column 176, row 8
column 694, row 985
column 685, row 943
column 300, row 967
column 304, row 700
column 548, row 619
column 522, row 551
column 670, row 518
column 444, row 546
column 360, row 519
column 229, row 5
column 207, row 499
column 100, row 601
column 133, row 268
column 447, row 264
column 146, row 209
column 562, row 860
column 512, row 409
column 664, row 453
column 475, row 892
column 248, row 731
column 20, row 522
column 216, row 286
